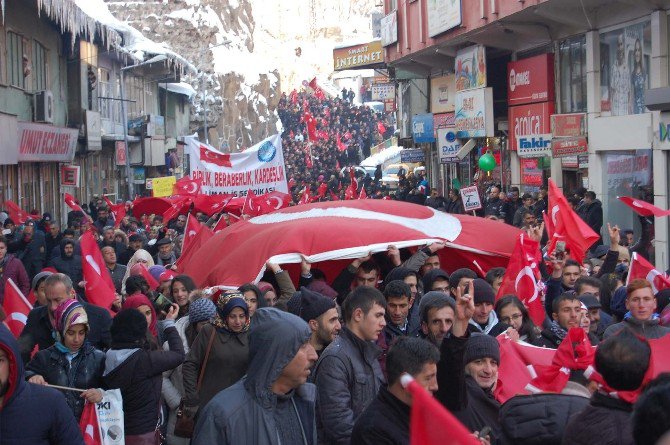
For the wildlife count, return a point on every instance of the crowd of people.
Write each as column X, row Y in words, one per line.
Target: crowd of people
column 322, row 362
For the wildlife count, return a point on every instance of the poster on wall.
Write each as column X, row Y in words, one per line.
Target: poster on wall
column 442, row 94
column 474, row 113
column 623, row 171
column 443, row 15
column 625, row 54
column 389, row 29
column 470, row 68
column 531, row 172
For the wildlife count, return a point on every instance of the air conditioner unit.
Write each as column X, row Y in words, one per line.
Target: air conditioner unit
column 44, row 106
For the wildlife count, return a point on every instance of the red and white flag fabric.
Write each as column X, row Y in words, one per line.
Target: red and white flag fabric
column 310, row 122
column 322, row 190
column 99, row 285
column 306, row 197
column 568, row 226
column 187, row 186
column 118, row 211
column 220, row 225
column 191, row 230
column 89, row 426
column 318, row 92
column 643, row 208
column 179, row 205
column 277, row 200
column 16, row 307
column 363, row 194
column 430, row 423
column 72, row 203
column 351, row 191
column 199, row 239
column 211, row 204
column 381, row 128
column 151, row 281
column 18, row 215
column 523, row 278
column 341, row 146
column 212, row 156
column 641, row 268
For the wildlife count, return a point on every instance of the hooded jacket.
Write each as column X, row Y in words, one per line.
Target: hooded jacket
column 246, row 411
column 647, row 329
column 32, row 414
column 13, row 268
column 71, row 265
column 493, row 326
column 605, row 421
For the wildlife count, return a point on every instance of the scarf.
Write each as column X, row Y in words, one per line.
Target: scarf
column 557, row 330
column 225, row 303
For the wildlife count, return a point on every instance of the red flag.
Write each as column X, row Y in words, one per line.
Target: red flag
column 99, row 285
column 568, row 226
column 310, row 122
column 350, row 192
column 548, row 224
column 89, row 426
column 187, row 186
column 151, row 281
column 308, row 156
column 18, row 215
column 306, row 198
column 363, row 194
column 523, row 279
column 381, row 128
column 200, row 238
column 211, row 204
column 220, row 225
column 208, row 154
column 321, row 191
column 118, row 211
column 333, row 196
column 291, row 183
column 179, row 205
column 318, row 92
column 641, row 268
column 248, row 207
column 294, row 97
column 643, row 208
column 340, row 145
column 16, row 307
column 277, row 200
column 191, row 230
column 429, row 420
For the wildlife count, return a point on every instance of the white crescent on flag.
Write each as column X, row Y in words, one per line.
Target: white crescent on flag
column 18, row 316
column 526, row 271
column 192, row 187
column 93, row 264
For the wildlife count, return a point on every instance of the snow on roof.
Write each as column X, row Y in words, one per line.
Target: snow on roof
column 382, row 156
column 179, row 88
column 135, row 44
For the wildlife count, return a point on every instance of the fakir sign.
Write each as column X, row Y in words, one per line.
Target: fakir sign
column 530, row 127
column 45, row 143
column 530, row 80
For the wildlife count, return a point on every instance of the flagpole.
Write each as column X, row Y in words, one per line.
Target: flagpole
column 65, row 388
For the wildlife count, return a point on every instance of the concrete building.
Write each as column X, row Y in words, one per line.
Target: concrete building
column 567, row 100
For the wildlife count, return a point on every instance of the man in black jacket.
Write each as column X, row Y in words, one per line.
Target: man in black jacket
column 38, row 329
column 386, row 419
column 69, row 263
column 592, row 214
column 566, row 314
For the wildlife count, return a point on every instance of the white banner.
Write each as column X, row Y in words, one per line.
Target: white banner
column 260, row 168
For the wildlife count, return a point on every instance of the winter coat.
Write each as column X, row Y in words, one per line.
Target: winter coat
column 509, row 210
column 348, row 377
column 14, row 269
column 538, row 419
column 605, row 421
column 592, row 214
column 117, row 276
column 227, row 363
column 460, row 393
column 173, row 386
column 493, row 327
column 32, row 253
column 119, row 248
column 246, row 412
column 648, row 329
column 38, row 330
column 455, row 207
column 138, row 374
column 384, row 422
column 494, row 207
column 33, row 414
column 84, row 372
column 70, row 266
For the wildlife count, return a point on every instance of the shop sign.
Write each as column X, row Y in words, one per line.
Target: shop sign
column 358, row 56
column 163, row 186
column 69, row 175
column 120, row 153
column 474, row 113
column 389, row 106
column 530, row 128
column 383, row 91
column 568, row 125
column 570, row 162
column 443, row 15
column 470, row 197
column 412, row 155
column 442, row 94
column 389, row 28
column 583, row 161
column 470, row 68
column 443, row 120
column 139, row 175
column 562, row 147
column 422, row 128
column 530, row 80
column 447, row 145
column 45, row 143
column 531, row 172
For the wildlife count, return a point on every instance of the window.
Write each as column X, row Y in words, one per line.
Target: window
column 572, row 53
column 108, row 93
column 625, row 54
column 40, row 66
column 135, row 96
column 15, row 52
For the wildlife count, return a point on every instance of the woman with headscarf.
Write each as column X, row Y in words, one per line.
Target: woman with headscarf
column 200, row 312
column 180, row 290
column 226, row 338
column 143, row 304
column 71, row 362
column 141, row 256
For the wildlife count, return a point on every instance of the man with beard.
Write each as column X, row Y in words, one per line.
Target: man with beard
column 69, row 263
column 437, row 316
column 321, row 315
column 165, row 256
column 31, row 414
column 103, row 219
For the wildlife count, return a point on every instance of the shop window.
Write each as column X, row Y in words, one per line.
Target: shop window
column 40, row 68
column 572, row 53
column 625, row 54
column 626, row 173
column 15, row 60
column 108, row 95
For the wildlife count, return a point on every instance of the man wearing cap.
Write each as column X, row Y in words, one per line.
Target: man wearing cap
column 467, row 373
column 108, row 240
column 165, row 256
column 437, row 316
column 436, row 279
column 135, row 242
column 117, row 271
column 485, row 320
column 320, row 313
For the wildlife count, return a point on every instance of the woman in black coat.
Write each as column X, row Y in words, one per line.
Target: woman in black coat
column 71, row 362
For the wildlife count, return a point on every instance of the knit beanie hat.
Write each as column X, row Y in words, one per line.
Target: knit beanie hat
column 202, row 309
column 434, row 296
column 481, row 346
column 156, row 272
column 129, row 326
column 484, row 293
column 294, row 303
column 313, row 304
